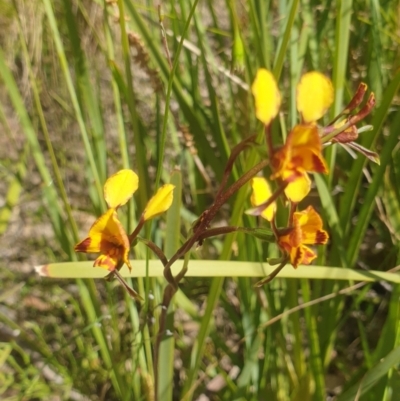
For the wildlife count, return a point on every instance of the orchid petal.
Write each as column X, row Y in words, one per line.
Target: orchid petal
column 266, row 95
column 120, row 187
column 314, row 96
column 159, row 203
column 261, row 193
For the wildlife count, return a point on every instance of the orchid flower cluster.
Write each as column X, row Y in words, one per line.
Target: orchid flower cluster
column 290, row 163
column 302, row 154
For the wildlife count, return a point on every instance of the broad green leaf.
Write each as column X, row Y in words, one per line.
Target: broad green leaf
column 372, row 376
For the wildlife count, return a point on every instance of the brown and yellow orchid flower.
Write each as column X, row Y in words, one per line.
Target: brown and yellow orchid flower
column 306, row 230
column 302, row 151
column 107, row 235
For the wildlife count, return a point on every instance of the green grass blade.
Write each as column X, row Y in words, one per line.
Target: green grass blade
column 169, row 92
column 372, row 376
column 67, row 246
column 172, row 236
column 205, row 268
column 13, row 191
column 49, row 191
column 330, row 215
column 342, row 38
column 342, row 35
column 316, row 361
column 138, row 130
column 74, row 99
column 182, row 93
column 285, row 38
column 173, row 227
column 88, row 99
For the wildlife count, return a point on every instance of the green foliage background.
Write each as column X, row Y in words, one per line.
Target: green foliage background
column 86, row 89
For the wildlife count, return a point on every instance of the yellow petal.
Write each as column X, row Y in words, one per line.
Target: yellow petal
column 266, row 95
column 299, row 188
column 261, row 193
column 160, row 202
column 120, row 187
column 314, row 96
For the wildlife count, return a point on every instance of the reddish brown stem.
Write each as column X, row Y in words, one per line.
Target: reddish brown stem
column 159, row 253
column 232, row 158
column 136, row 231
column 206, row 218
column 256, row 211
column 198, row 231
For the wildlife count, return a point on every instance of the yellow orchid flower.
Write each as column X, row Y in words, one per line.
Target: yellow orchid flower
column 108, row 237
column 306, row 230
column 301, row 153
